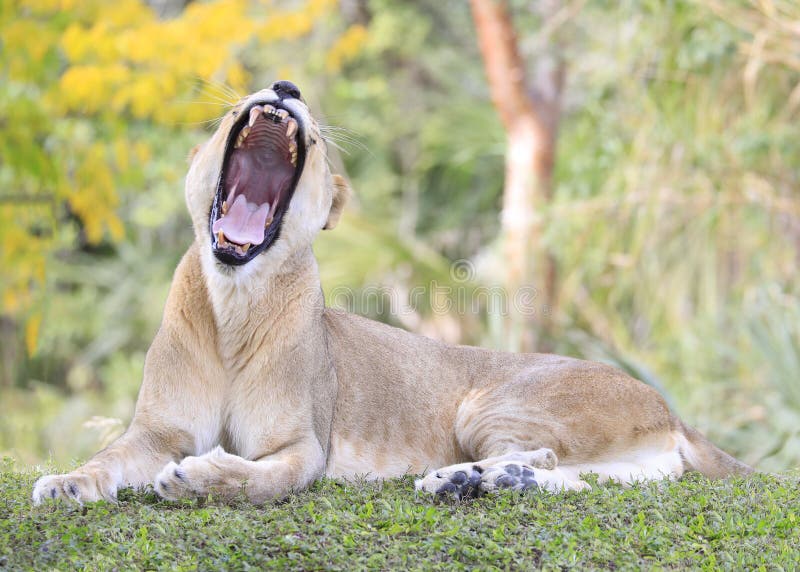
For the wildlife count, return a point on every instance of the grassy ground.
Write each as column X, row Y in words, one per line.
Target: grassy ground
column 692, row 523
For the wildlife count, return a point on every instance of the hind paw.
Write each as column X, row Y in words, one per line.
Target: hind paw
column 459, row 481
column 514, row 476
column 515, row 472
column 470, row 480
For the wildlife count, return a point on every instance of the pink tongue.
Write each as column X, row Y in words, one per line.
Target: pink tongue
column 244, row 222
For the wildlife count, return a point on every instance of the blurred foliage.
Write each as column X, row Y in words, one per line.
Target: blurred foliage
column 675, row 221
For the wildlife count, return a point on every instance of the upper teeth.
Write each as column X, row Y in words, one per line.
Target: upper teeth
column 278, row 116
column 271, row 112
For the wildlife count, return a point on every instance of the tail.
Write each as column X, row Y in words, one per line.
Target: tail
column 700, row 454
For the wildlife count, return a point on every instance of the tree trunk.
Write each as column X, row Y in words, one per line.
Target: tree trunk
column 530, row 119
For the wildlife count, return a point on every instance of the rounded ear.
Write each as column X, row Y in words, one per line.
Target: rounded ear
column 193, row 152
column 341, row 194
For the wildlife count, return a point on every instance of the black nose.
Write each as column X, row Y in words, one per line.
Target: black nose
column 286, row 89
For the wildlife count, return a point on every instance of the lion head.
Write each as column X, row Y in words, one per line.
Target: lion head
column 261, row 188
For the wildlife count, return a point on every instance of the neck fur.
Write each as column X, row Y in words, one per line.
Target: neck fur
column 254, row 308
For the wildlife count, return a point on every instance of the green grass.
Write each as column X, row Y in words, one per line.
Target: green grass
column 692, row 523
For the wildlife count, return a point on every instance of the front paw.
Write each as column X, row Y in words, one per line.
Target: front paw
column 79, row 486
column 172, row 483
column 194, row 477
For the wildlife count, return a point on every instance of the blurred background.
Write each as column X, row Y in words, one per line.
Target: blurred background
column 632, row 166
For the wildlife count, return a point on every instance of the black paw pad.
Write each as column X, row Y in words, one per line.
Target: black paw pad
column 516, row 478
column 506, row 482
column 446, row 489
column 462, row 485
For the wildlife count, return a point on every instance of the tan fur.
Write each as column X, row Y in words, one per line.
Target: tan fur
column 252, row 385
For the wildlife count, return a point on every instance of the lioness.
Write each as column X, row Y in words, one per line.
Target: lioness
column 252, row 385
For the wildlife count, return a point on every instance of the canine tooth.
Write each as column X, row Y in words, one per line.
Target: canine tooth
column 268, row 222
column 245, row 248
column 254, row 113
column 221, row 238
column 291, row 128
column 224, row 207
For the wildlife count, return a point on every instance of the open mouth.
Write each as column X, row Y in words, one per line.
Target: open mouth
column 263, row 161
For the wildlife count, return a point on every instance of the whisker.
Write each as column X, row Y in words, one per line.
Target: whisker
column 337, row 128
column 222, row 86
column 223, row 95
column 342, row 134
column 215, row 97
column 223, row 89
column 214, row 122
column 204, row 102
column 334, row 144
column 339, row 138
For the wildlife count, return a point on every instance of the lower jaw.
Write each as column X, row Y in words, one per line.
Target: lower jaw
column 229, row 255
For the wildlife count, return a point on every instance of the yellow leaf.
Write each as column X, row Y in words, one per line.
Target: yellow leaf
column 346, row 47
column 115, row 228
column 32, row 333
column 10, row 301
